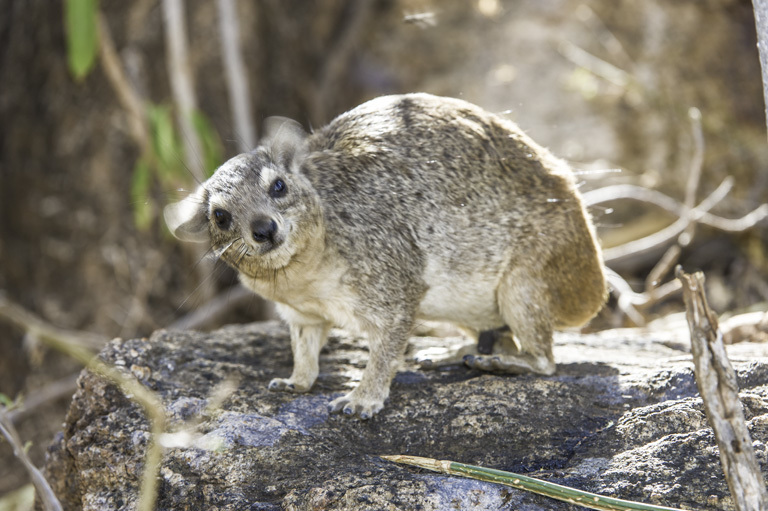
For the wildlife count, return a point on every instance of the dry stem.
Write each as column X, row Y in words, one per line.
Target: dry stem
column 719, row 391
column 44, row 491
column 71, row 343
column 236, row 78
column 130, row 101
column 182, row 84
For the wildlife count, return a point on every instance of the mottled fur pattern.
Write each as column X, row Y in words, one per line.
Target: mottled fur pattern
column 405, row 208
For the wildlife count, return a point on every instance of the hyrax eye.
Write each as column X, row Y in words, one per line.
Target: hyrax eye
column 277, row 189
column 222, row 218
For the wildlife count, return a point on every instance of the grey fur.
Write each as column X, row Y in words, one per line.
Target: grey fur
column 406, row 207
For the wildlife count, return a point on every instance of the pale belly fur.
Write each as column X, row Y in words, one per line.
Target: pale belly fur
column 465, row 300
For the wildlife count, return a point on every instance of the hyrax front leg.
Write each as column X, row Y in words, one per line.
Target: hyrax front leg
column 524, row 305
column 386, row 349
column 306, row 343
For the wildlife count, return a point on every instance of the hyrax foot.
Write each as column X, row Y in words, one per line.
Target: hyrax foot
column 352, row 404
column 287, row 385
column 512, row 364
column 436, row 357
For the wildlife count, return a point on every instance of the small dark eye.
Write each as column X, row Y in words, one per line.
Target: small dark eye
column 222, row 218
column 277, row 189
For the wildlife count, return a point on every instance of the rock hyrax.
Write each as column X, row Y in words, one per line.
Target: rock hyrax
column 406, row 208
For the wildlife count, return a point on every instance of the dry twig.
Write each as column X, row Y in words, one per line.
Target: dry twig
column 182, row 84
column 61, row 388
column 72, row 344
column 639, row 251
column 761, row 23
column 234, row 72
column 689, row 215
column 44, row 331
column 47, row 497
column 719, row 392
column 129, row 99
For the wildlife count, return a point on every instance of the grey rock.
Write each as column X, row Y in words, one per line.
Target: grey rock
column 620, row 417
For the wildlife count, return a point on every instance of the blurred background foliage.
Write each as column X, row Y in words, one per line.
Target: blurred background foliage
column 96, row 137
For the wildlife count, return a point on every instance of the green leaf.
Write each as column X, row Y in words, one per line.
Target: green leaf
column 6, row 401
column 521, row 482
column 169, row 163
column 141, row 183
column 212, row 148
column 165, row 142
column 82, row 35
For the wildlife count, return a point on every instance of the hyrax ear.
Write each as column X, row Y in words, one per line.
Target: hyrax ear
column 186, row 219
column 286, row 139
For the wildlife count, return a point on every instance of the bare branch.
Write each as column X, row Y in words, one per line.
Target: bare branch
column 641, row 250
column 634, row 192
column 182, row 83
column 47, row 497
column 665, row 264
column 630, row 252
column 629, row 301
column 237, row 80
column 750, row 326
column 58, row 389
column 761, row 23
column 595, row 65
column 43, row 330
column 736, row 224
column 697, row 163
column 129, row 99
column 72, row 344
column 720, row 393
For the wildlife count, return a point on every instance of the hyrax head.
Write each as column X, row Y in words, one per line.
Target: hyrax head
column 256, row 210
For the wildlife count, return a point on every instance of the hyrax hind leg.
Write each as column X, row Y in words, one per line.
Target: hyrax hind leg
column 527, row 347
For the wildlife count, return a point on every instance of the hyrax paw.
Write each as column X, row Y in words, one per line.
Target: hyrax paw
column 353, row 405
column 511, row 364
column 287, row 385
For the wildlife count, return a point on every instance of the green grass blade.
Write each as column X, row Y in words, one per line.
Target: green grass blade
column 521, row 482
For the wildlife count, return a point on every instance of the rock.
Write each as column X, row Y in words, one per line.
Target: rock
column 620, row 417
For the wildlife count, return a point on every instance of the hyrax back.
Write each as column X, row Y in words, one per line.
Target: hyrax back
column 404, row 208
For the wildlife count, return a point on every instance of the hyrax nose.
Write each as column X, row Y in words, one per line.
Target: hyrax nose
column 263, row 229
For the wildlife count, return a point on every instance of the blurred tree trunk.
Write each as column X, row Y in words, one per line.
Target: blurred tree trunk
column 761, row 23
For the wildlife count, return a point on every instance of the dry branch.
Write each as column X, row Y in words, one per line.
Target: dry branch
column 639, row 251
column 182, row 84
column 234, row 72
column 689, row 215
column 761, row 24
column 63, row 387
column 130, row 101
column 44, row 331
column 72, row 344
column 44, row 491
column 717, row 385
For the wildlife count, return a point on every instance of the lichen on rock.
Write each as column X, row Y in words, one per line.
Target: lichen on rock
column 621, row 417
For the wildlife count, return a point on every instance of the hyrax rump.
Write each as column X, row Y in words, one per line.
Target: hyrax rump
column 406, row 208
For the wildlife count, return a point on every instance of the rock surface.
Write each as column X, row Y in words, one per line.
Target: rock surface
column 620, row 417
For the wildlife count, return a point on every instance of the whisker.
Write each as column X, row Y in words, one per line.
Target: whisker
column 213, row 274
column 205, row 256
